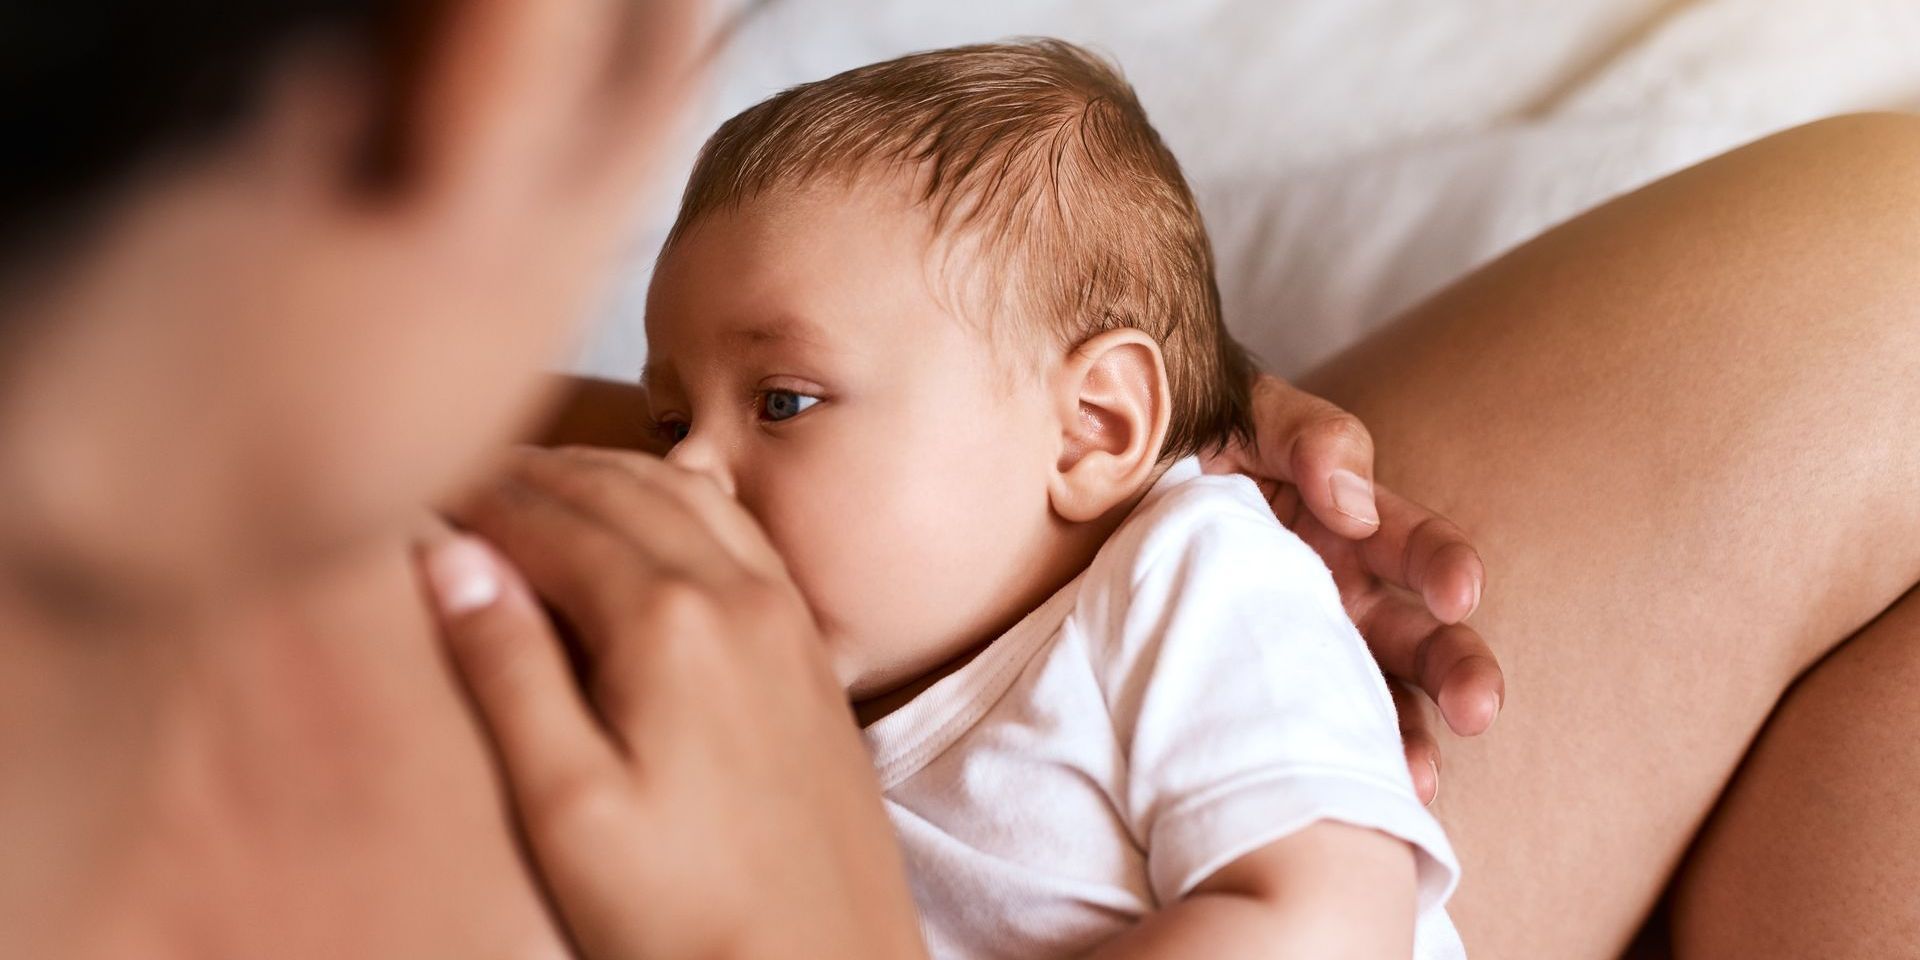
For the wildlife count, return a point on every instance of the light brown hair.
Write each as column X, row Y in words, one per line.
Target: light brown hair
column 1043, row 150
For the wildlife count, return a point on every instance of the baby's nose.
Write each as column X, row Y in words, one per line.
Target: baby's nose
column 697, row 456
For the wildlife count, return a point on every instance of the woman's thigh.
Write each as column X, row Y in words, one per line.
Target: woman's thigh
column 1815, row 849
column 1681, row 429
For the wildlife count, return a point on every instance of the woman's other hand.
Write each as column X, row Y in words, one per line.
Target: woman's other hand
column 1407, row 575
column 693, row 784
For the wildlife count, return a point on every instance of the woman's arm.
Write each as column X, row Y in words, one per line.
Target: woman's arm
column 601, row 413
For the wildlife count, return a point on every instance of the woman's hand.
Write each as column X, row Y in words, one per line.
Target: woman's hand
column 1380, row 547
column 701, row 791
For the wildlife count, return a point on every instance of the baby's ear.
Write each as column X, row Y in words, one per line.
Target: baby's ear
column 1112, row 400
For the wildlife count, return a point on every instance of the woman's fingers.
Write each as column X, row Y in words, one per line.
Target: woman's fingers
column 711, row 698
column 1423, row 755
column 593, row 534
column 651, row 510
column 700, row 497
column 516, row 673
column 1425, row 553
column 1451, row 663
column 1470, row 687
column 1327, row 455
column 1319, row 448
column 585, row 570
column 1332, row 456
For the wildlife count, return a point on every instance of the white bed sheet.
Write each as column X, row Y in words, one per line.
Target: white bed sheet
column 1352, row 156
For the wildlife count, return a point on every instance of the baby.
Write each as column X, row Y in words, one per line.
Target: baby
column 947, row 326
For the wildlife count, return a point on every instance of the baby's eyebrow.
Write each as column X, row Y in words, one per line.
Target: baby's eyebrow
column 779, row 330
column 655, row 375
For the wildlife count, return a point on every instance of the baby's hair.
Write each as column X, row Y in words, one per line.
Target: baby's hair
column 1043, row 151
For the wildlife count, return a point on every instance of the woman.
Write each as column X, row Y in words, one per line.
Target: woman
column 1679, row 425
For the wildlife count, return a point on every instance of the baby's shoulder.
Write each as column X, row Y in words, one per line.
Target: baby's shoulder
column 1194, row 525
column 1199, row 555
column 1202, row 580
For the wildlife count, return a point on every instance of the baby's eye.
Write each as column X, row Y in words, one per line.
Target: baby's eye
column 777, row 405
column 671, row 431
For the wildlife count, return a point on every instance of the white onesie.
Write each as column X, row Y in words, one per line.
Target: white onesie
column 1195, row 694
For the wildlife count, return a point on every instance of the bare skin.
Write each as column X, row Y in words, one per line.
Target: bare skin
column 1681, row 431
column 254, row 733
column 1572, row 815
column 1825, row 869
column 1680, row 428
column 227, row 725
column 234, row 790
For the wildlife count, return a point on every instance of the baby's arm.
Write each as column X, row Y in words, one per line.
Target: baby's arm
column 1330, row 890
column 1258, row 734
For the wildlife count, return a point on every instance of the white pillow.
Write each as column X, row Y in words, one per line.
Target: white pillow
column 1353, row 156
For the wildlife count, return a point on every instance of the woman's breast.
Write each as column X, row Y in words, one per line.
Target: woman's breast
column 302, row 782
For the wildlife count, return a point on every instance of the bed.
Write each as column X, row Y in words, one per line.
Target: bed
column 1352, row 156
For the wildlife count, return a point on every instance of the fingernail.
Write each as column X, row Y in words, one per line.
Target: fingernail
column 1436, row 781
column 1354, row 497
column 462, row 576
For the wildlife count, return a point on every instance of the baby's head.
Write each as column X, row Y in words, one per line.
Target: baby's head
column 938, row 323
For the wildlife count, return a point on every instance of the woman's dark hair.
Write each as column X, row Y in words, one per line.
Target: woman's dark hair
column 96, row 90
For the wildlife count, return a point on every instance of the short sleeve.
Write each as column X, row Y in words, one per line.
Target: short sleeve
column 1245, row 702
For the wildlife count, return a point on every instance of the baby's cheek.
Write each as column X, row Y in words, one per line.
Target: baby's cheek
column 829, row 562
column 865, row 552
column 825, row 542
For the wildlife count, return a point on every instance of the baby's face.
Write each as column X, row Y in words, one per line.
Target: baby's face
column 801, row 349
